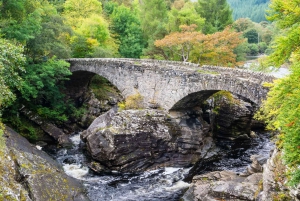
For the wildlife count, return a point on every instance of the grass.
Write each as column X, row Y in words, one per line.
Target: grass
column 102, row 88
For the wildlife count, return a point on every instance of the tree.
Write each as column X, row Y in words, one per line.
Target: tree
column 181, row 43
column 76, row 11
column 243, row 24
column 281, row 109
column 126, row 25
column 42, row 86
column 186, row 15
column 52, row 40
column 12, row 63
column 91, row 29
column 217, row 14
column 219, row 48
column 251, row 35
column 252, row 9
column 20, row 20
column 190, row 45
column 154, row 16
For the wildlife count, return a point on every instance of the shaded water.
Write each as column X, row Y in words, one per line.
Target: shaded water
column 165, row 184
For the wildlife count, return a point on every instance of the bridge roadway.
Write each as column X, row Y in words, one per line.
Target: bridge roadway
column 166, row 84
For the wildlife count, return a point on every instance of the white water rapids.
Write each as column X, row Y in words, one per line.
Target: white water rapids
column 165, row 184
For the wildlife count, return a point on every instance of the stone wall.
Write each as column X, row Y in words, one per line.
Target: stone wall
column 169, row 85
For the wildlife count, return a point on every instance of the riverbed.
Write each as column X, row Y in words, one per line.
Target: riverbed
column 164, row 184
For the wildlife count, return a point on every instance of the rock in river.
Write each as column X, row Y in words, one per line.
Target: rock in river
column 136, row 140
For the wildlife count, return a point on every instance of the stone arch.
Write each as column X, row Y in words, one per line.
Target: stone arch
column 78, row 85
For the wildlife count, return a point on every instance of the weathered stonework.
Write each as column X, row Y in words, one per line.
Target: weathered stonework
column 169, row 85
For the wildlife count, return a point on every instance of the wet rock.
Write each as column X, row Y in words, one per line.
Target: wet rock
column 97, row 107
column 295, row 193
column 257, row 163
column 222, row 185
column 136, row 140
column 30, row 174
column 231, row 118
column 52, row 130
column 274, row 180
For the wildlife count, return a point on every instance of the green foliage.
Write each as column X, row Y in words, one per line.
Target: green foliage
column 286, row 16
column 217, row 14
column 23, row 126
column 102, row 88
column 241, row 52
column 187, row 15
column 253, row 49
column 11, row 65
column 253, row 9
column 281, row 111
column 21, row 19
column 92, row 36
column 41, row 89
column 227, row 95
column 52, row 40
column 126, row 25
column 153, row 17
column 251, row 35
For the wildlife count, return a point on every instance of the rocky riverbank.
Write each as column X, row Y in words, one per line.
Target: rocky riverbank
column 28, row 173
column 264, row 180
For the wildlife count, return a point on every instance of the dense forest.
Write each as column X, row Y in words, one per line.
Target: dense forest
column 253, row 9
column 36, row 35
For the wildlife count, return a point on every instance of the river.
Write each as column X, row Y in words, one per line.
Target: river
column 165, row 184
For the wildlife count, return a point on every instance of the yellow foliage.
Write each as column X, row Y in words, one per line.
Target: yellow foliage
column 132, row 102
column 92, row 42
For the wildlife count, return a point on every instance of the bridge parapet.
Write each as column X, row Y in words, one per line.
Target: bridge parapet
column 185, row 66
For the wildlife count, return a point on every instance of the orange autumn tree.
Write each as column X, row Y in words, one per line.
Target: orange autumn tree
column 193, row 46
column 218, row 48
column 180, row 44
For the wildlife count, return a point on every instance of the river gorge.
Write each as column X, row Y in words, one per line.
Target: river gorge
column 163, row 184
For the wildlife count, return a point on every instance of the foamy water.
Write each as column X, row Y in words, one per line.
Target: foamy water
column 161, row 184
column 76, row 170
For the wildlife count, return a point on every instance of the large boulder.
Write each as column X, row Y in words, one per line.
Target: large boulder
column 30, row 174
column 136, row 140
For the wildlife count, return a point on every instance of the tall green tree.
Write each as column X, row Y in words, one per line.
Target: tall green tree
column 126, row 25
column 154, row 16
column 217, row 14
column 90, row 28
column 185, row 14
column 41, row 30
column 281, row 109
column 252, row 9
column 12, row 63
column 20, row 19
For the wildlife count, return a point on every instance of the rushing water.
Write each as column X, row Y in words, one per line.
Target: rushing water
column 164, row 184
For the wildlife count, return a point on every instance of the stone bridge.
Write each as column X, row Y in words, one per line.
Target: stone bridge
column 165, row 84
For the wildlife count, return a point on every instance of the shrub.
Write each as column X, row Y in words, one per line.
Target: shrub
column 132, row 102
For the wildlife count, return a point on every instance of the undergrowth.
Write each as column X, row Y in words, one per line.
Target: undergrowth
column 101, row 87
column 132, row 102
